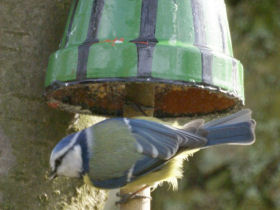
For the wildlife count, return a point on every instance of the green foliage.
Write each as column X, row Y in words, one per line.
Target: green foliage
column 242, row 177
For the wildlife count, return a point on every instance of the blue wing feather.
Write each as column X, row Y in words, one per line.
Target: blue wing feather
column 166, row 140
column 140, row 168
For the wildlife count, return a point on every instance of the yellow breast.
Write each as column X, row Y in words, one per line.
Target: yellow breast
column 172, row 171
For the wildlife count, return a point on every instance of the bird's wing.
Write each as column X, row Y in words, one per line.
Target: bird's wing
column 136, row 147
column 160, row 141
column 143, row 166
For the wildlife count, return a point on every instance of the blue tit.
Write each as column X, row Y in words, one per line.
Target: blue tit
column 128, row 153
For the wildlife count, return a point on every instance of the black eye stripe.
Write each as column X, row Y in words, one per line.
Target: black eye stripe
column 59, row 160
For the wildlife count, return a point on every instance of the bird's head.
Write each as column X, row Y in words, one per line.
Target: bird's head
column 70, row 157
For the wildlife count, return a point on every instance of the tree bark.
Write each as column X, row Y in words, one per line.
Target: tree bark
column 29, row 33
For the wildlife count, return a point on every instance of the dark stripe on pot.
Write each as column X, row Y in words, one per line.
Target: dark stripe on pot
column 83, row 50
column 146, row 41
column 199, row 24
column 207, row 61
column 71, row 22
column 200, row 40
column 223, row 37
column 234, row 75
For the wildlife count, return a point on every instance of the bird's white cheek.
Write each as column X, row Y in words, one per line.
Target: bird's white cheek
column 71, row 165
column 67, row 171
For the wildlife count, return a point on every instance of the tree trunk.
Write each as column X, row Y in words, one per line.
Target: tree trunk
column 29, row 32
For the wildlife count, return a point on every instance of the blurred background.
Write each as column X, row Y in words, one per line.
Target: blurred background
column 241, row 177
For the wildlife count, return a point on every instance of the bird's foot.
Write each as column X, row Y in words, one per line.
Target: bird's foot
column 129, row 196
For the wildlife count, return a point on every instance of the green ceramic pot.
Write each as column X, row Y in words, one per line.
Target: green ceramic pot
column 181, row 46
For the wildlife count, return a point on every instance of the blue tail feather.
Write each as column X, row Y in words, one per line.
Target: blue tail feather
column 241, row 133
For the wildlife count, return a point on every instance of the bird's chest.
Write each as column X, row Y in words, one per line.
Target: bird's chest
column 112, row 156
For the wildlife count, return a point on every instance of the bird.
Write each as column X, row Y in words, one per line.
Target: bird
column 136, row 153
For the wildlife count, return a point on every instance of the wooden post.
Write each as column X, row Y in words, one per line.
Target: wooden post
column 139, row 102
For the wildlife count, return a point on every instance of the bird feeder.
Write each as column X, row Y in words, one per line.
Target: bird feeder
column 182, row 48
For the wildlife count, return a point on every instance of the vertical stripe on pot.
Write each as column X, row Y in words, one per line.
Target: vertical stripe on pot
column 146, row 41
column 201, row 41
column 91, row 38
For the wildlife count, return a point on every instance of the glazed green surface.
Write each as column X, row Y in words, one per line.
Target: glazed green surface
column 177, row 55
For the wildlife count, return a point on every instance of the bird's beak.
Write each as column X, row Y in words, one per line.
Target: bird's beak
column 52, row 175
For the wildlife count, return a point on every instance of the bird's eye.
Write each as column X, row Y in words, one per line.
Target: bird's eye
column 58, row 162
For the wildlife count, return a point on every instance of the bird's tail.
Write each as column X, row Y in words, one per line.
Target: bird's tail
column 237, row 129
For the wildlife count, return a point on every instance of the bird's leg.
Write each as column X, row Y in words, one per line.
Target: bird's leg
column 128, row 196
